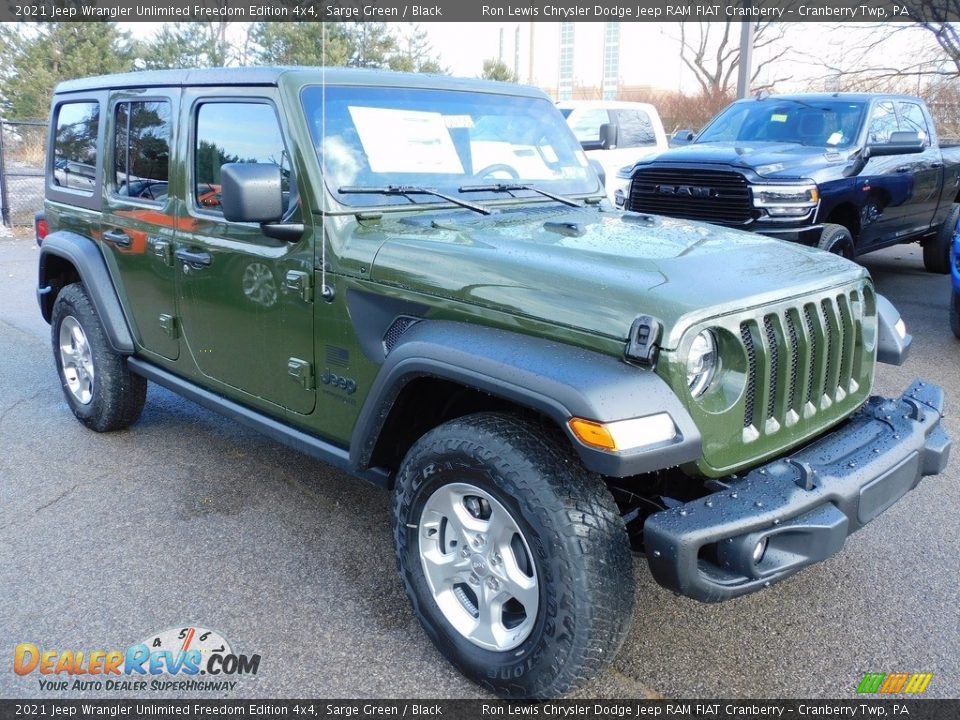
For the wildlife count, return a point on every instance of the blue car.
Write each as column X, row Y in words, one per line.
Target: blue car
column 955, row 276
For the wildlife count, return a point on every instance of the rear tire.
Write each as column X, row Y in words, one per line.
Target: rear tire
column 99, row 388
column 837, row 239
column 936, row 251
column 565, row 614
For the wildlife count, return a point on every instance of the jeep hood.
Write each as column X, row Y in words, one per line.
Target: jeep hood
column 597, row 271
column 784, row 160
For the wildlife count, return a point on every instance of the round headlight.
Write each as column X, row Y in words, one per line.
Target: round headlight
column 701, row 362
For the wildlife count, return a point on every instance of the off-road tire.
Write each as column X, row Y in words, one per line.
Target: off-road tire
column 837, row 239
column 955, row 313
column 936, row 250
column 575, row 533
column 117, row 395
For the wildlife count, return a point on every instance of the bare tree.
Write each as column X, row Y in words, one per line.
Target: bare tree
column 933, row 16
column 711, row 51
column 865, row 60
column 926, row 60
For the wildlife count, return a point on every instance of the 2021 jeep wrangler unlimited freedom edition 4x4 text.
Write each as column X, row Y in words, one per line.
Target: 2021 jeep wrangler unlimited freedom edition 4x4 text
column 418, row 280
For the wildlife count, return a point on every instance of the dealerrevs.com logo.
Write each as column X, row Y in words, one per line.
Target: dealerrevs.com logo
column 185, row 658
column 894, row 683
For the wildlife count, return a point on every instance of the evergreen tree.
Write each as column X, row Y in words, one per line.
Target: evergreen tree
column 494, row 69
column 188, row 45
column 306, row 43
column 35, row 57
column 415, row 54
column 362, row 44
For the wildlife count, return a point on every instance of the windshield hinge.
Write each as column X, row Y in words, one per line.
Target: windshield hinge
column 302, row 372
column 642, row 342
column 299, row 282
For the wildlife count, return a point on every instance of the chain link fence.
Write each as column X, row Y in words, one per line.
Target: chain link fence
column 23, row 151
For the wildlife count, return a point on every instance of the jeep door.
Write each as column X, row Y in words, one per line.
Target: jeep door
column 139, row 214
column 244, row 298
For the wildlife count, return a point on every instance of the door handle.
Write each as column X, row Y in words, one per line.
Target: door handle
column 193, row 258
column 936, row 165
column 903, row 169
column 118, row 238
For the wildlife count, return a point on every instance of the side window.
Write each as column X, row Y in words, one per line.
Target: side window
column 883, row 122
column 912, row 118
column 75, row 146
column 229, row 132
column 141, row 157
column 586, row 124
column 636, row 129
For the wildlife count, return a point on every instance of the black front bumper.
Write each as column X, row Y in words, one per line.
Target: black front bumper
column 801, row 507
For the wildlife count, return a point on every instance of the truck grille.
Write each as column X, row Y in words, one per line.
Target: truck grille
column 801, row 360
column 709, row 195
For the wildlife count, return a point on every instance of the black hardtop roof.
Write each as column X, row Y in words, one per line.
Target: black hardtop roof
column 304, row 74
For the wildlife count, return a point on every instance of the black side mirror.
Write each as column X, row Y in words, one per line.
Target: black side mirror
column 904, row 142
column 251, row 192
column 682, row 137
column 608, row 136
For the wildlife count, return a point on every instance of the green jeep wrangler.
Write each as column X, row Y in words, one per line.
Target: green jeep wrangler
column 418, row 281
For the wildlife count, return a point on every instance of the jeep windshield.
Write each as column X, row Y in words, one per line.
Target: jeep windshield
column 444, row 140
column 818, row 123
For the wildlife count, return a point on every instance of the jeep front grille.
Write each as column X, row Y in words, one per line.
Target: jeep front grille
column 801, row 360
column 709, row 195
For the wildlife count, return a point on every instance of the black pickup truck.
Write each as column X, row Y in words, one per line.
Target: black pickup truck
column 848, row 172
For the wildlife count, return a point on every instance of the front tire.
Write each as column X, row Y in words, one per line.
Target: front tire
column 99, row 388
column 837, row 239
column 936, row 251
column 514, row 557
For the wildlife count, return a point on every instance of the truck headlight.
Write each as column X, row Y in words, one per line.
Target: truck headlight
column 701, row 362
column 786, row 200
column 619, row 186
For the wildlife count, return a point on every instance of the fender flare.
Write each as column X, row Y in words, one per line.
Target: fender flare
column 84, row 255
column 557, row 380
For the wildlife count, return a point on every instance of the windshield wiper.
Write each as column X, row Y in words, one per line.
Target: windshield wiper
column 414, row 190
column 509, row 187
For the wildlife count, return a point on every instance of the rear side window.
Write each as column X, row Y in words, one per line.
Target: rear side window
column 234, row 132
column 636, row 129
column 75, row 146
column 141, row 161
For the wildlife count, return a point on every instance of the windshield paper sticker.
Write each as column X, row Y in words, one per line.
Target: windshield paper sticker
column 405, row 141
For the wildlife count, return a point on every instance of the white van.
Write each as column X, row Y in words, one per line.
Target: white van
column 632, row 131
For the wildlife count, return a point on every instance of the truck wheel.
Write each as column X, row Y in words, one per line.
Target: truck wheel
column 514, row 557
column 101, row 391
column 955, row 313
column 936, row 251
column 837, row 239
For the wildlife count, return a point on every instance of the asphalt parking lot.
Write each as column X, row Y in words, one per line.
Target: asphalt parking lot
column 189, row 519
